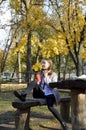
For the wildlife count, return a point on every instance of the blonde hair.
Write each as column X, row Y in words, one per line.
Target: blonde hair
column 50, row 62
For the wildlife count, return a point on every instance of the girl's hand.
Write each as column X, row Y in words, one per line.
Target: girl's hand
column 38, row 78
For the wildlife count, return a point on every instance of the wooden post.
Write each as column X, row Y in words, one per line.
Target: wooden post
column 78, row 110
column 22, row 119
column 65, row 108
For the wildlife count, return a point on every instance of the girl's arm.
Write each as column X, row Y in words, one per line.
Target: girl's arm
column 51, row 78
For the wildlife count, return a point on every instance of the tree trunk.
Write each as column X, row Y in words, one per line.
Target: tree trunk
column 29, row 59
column 78, row 69
column 59, row 66
column 19, row 67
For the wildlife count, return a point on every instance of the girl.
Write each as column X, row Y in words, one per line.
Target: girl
column 41, row 88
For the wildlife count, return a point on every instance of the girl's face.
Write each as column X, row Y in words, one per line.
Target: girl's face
column 45, row 65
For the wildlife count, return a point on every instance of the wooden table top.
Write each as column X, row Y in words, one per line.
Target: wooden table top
column 78, row 84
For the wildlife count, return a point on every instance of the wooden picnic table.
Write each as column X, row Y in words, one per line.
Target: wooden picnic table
column 78, row 101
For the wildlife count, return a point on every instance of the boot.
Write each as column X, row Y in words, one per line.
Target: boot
column 22, row 97
column 64, row 126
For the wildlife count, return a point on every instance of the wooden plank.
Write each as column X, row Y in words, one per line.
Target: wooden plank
column 65, row 98
column 64, row 91
column 35, row 102
column 28, row 103
column 70, row 84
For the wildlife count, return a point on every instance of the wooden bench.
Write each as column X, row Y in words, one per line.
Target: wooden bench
column 22, row 116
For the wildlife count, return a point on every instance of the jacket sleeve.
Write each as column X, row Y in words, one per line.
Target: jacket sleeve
column 52, row 78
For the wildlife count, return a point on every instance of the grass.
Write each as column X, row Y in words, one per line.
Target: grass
column 41, row 118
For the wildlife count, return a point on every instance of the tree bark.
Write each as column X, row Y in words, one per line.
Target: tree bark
column 29, row 59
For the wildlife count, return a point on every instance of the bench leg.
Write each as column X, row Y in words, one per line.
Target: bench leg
column 65, row 110
column 22, row 119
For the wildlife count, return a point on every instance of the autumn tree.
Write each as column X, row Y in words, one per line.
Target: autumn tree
column 72, row 25
column 30, row 18
column 58, row 34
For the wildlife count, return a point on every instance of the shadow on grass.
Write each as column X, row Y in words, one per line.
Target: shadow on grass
column 5, row 128
column 41, row 115
column 7, row 117
column 7, row 121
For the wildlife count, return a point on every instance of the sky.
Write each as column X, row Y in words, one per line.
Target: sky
column 5, row 17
